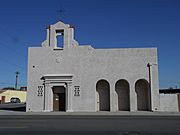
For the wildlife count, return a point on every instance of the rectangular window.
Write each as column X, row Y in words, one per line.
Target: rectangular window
column 60, row 38
column 76, row 90
column 40, row 91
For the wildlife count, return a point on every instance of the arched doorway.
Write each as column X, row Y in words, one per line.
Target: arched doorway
column 103, row 95
column 143, row 95
column 122, row 90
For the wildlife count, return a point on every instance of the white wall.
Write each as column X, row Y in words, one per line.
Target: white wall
column 169, row 102
column 88, row 66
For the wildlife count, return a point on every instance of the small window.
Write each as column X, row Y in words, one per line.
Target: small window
column 77, row 91
column 40, row 91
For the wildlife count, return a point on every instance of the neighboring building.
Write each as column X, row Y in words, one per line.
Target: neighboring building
column 77, row 78
column 6, row 95
column 170, row 100
column 24, row 88
column 169, row 91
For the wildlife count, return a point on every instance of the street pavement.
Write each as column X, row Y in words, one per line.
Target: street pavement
column 18, row 123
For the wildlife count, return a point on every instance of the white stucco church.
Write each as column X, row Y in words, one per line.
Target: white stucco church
column 66, row 76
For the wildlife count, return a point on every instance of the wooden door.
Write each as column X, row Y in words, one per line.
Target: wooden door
column 55, row 102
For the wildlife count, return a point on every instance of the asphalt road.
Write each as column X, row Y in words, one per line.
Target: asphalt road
column 89, row 125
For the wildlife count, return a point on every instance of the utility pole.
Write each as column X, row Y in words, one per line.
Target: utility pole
column 17, row 73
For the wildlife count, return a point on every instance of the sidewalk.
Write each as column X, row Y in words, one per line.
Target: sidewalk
column 120, row 113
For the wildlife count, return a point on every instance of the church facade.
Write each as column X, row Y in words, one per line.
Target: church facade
column 79, row 78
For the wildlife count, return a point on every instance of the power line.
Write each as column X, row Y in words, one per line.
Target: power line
column 13, row 50
column 6, row 33
column 6, row 69
column 10, row 63
column 4, row 83
column 12, row 37
column 10, row 48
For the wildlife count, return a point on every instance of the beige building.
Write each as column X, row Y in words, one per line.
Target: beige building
column 6, row 95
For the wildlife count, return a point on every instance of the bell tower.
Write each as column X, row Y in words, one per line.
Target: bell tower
column 60, row 36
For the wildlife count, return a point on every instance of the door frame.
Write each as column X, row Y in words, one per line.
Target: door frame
column 51, row 80
column 58, row 93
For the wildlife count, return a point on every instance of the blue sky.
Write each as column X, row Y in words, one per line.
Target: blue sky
column 101, row 23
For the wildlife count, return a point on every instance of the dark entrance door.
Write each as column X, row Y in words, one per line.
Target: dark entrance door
column 55, row 102
column 59, row 100
column 62, row 102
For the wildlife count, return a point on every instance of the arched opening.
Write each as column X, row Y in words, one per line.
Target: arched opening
column 143, row 95
column 103, row 95
column 122, row 90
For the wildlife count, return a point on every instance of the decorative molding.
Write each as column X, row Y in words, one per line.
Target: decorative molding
column 57, row 78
